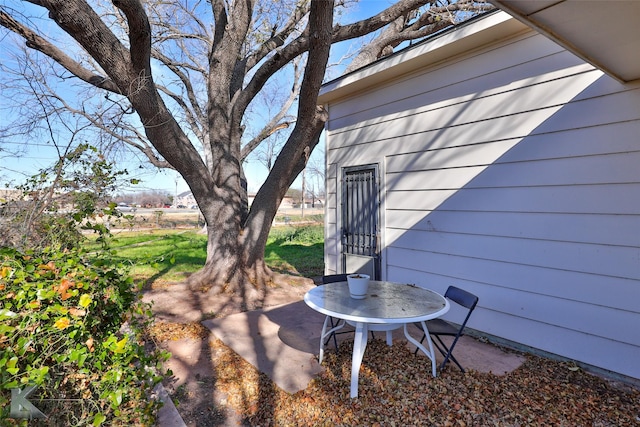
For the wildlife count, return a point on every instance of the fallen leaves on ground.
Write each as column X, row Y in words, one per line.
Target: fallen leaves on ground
column 396, row 388
column 168, row 331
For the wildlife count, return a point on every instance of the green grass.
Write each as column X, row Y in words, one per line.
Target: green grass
column 171, row 255
column 299, row 218
column 297, row 250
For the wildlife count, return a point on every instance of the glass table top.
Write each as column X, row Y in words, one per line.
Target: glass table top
column 386, row 302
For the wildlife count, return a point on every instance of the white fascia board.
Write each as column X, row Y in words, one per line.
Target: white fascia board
column 463, row 38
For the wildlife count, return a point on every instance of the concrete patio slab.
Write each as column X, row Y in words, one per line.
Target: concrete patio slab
column 283, row 342
column 280, row 342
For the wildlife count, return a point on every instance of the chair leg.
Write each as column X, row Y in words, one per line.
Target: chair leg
column 444, row 350
column 454, row 361
column 441, row 346
column 449, row 354
column 440, row 349
column 333, row 335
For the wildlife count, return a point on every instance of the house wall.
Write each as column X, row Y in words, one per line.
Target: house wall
column 512, row 171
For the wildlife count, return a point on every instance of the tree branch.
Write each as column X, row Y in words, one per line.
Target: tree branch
column 36, row 42
column 311, row 117
column 139, row 36
column 279, row 39
column 186, row 82
column 82, row 23
column 301, row 45
column 276, row 124
column 432, row 20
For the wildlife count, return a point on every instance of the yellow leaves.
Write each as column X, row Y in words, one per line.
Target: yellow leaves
column 119, row 347
column 116, row 346
column 85, row 300
column 5, row 272
column 62, row 323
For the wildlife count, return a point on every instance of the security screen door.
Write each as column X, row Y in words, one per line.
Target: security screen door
column 360, row 219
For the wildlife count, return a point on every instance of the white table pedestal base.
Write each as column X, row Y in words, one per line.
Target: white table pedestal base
column 387, row 306
column 360, row 344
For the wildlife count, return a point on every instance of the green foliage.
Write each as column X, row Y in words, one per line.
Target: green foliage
column 305, row 234
column 60, row 201
column 297, row 250
column 314, row 219
column 71, row 322
column 162, row 254
column 61, row 328
column 168, row 256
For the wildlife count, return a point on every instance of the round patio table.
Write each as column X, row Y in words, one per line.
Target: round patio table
column 386, row 307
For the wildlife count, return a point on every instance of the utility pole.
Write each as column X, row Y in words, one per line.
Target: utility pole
column 303, row 190
column 175, row 198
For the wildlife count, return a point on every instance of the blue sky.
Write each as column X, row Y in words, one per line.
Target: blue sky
column 40, row 154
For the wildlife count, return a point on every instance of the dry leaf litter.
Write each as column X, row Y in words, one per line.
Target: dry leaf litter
column 396, row 389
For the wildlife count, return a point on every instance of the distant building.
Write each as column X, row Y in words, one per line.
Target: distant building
column 185, row 199
column 9, row 194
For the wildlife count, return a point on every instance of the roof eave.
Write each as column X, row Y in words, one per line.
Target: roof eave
column 446, row 45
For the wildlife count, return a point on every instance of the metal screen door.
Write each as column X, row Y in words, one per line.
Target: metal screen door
column 360, row 217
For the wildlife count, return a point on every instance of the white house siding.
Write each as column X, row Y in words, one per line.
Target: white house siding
column 514, row 172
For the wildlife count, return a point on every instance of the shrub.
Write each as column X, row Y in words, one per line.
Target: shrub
column 304, row 234
column 71, row 323
column 60, row 200
column 61, row 329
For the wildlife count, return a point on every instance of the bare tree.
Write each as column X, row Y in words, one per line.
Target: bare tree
column 177, row 79
column 417, row 23
column 316, row 175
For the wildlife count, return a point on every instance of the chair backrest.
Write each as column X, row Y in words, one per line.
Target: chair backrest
column 463, row 298
column 332, row 278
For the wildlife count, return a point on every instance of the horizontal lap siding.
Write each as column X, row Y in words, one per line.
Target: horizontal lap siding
column 552, row 310
column 446, row 85
column 588, row 199
column 609, row 262
column 515, row 173
column 557, row 227
column 444, row 269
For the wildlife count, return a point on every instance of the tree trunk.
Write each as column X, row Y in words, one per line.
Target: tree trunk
column 236, row 69
column 232, row 267
column 235, row 249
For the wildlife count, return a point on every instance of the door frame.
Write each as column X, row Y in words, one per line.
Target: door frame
column 378, row 258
